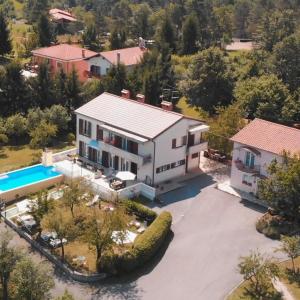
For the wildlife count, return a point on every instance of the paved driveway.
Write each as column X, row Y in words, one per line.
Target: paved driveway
column 212, row 230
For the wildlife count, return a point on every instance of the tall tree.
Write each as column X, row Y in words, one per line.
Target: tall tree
column 34, row 8
column 31, row 280
column 208, row 81
column 189, row 35
column 259, row 271
column 151, row 88
column 141, row 26
column 166, row 34
column 73, row 91
column 9, row 257
column 262, row 97
column 5, row 43
column 290, row 245
column 62, row 224
column 44, row 31
column 43, row 87
column 117, row 39
column 281, row 189
column 286, row 60
column 89, row 38
column 274, row 27
column 14, row 91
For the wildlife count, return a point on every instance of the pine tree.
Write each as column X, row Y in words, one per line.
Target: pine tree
column 117, row 39
column 73, row 90
column 89, row 38
column 5, row 43
column 166, row 34
column 44, row 31
column 189, row 35
column 151, row 88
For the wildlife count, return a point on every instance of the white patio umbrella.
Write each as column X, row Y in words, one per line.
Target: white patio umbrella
column 125, row 175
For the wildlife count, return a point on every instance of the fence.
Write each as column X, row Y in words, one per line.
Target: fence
column 63, row 155
column 138, row 189
column 63, row 267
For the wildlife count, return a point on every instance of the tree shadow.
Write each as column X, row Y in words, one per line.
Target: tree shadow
column 254, row 206
column 125, row 286
column 293, row 277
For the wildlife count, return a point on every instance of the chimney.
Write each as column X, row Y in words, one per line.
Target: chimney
column 83, row 53
column 166, row 105
column 125, row 94
column 140, row 98
column 118, row 58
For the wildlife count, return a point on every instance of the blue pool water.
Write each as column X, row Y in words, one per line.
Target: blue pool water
column 26, row 176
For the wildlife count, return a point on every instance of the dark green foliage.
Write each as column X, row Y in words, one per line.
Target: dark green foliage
column 281, row 190
column 117, row 39
column 144, row 248
column 209, row 82
column 262, row 97
column 287, row 62
column 14, row 91
column 189, row 35
column 34, row 8
column 147, row 244
column 73, row 91
column 140, row 210
column 44, row 31
column 166, row 34
column 5, row 43
column 89, row 38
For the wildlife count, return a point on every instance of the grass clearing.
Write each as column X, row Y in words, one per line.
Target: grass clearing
column 184, row 108
column 15, row 157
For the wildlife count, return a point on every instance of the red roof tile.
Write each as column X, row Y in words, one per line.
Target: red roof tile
column 64, row 52
column 268, row 136
column 128, row 56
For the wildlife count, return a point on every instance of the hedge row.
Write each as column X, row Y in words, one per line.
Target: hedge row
column 144, row 248
column 140, row 210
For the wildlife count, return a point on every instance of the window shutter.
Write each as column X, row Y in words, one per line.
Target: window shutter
column 89, row 129
column 173, row 143
column 184, row 140
column 80, row 126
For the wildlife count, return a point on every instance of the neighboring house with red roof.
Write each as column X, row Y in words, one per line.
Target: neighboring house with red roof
column 255, row 147
column 61, row 16
column 127, row 56
column 67, row 57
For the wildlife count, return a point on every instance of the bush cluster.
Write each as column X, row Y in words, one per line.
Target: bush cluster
column 140, row 210
column 144, row 248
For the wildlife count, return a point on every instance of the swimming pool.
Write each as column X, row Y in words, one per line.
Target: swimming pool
column 27, row 176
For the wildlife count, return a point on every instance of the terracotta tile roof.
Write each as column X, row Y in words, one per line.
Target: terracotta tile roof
column 59, row 14
column 128, row 56
column 64, row 52
column 268, row 136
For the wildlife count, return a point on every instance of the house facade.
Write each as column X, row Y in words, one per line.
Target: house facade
column 123, row 134
column 255, row 147
column 67, row 57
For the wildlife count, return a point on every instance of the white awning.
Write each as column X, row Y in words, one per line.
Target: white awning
column 125, row 133
column 125, row 175
column 202, row 128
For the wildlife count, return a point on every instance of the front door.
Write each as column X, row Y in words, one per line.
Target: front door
column 92, row 154
column 133, row 168
column 105, row 162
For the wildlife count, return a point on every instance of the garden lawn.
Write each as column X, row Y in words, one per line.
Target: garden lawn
column 183, row 108
column 16, row 157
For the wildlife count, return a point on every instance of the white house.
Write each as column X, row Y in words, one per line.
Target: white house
column 255, row 147
column 127, row 56
column 155, row 143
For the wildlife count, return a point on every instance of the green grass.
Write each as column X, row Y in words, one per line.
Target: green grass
column 15, row 157
column 183, row 108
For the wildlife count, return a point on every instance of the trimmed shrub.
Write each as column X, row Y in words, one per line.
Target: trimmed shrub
column 147, row 244
column 140, row 210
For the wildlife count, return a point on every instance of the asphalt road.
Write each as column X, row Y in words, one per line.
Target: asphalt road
column 211, row 230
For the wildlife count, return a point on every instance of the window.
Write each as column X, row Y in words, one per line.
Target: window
column 82, row 147
column 195, row 155
column 95, row 70
column 181, row 162
column 99, row 133
column 247, row 180
column 249, row 159
column 170, row 166
column 173, row 143
column 132, row 147
column 85, row 127
column 183, row 140
column 158, row 170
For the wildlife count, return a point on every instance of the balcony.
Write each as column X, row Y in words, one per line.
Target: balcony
column 197, row 147
column 244, row 168
column 112, row 147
